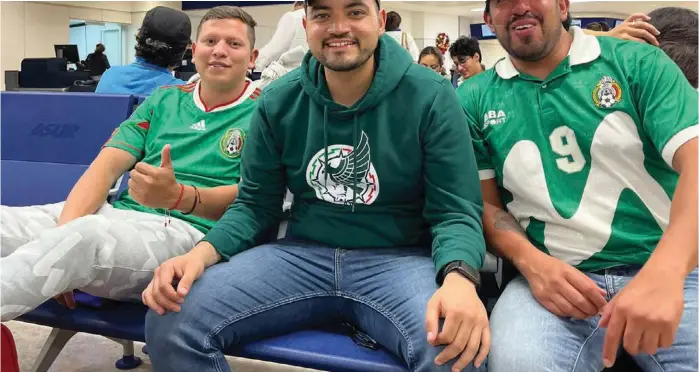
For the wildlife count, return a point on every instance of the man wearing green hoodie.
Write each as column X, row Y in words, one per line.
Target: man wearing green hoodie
column 377, row 153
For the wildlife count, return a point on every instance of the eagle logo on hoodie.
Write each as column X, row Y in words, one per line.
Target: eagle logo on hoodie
column 347, row 174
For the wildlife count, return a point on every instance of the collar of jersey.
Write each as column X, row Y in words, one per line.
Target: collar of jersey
column 249, row 90
column 585, row 48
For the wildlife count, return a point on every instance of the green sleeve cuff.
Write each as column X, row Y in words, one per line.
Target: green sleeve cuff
column 221, row 242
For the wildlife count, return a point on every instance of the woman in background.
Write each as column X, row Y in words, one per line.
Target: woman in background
column 433, row 59
column 97, row 62
column 393, row 21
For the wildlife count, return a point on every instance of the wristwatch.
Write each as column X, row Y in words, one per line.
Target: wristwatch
column 462, row 268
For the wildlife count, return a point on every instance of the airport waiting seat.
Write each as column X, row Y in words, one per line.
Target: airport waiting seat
column 46, row 135
column 331, row 349
column 69, row 139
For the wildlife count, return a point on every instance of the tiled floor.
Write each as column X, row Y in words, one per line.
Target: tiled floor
column 88, row 353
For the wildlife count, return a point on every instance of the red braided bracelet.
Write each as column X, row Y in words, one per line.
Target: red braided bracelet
column 179, row 199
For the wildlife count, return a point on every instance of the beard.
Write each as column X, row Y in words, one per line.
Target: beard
column 340, row 63
column 530, row 49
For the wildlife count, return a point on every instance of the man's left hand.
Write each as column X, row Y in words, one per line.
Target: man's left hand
column 155, row 187
column 466, row 330
column 646, row 314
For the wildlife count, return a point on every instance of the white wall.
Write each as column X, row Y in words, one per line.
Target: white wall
column 492, row 52
column 130, row 36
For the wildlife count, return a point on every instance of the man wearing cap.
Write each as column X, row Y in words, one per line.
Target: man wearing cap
column 183, row 145
column 160, row 45
column 587, row 153
column 385, row 229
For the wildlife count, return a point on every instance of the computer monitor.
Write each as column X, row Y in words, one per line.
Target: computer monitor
column 485, row 30
column 618, row 22
column 67, row 52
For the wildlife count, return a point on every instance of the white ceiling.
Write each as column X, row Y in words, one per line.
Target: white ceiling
column 473, row 9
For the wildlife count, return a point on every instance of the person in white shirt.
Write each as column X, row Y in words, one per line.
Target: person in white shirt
column 393, row 21
column 289, row 35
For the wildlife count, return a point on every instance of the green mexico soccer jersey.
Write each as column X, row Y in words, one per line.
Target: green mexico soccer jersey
column 583, row 159
column 206, row 142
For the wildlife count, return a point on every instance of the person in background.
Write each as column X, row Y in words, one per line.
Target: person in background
column 587, row 153
column 466, row 55
column 183, row 145
column 161, row 43
column 97, row 62
column 393, row 21
column 288, row 36
column 433, row 59
column 636, row 28
column 598, row 26
column 677, row 28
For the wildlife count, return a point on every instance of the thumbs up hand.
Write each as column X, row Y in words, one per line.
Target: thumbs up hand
column 165, row 158
column 155, row 187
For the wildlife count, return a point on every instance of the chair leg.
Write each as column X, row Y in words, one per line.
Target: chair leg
column 56, row 341
column 129, row 360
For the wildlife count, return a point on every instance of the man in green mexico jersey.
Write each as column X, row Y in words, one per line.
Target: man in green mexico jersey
column 183, row 145
column 587, row 153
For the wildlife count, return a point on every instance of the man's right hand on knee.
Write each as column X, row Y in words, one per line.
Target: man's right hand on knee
column 67, row 300
column 563, row 289
column 173, row 279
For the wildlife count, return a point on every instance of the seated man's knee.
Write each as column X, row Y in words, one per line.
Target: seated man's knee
column 185, row 330
column 163, row 334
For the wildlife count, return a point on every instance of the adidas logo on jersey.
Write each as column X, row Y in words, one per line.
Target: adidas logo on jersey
column 493, row 118
column 200, row 126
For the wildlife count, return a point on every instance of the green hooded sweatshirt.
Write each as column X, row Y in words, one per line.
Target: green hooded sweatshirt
column 396, row 169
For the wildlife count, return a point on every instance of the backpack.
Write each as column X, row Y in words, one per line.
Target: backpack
column 8, row 359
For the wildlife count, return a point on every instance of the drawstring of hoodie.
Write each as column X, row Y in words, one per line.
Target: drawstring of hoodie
column 325, row 143
column 354, row 160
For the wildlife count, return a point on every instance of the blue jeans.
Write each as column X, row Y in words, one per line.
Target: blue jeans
column 527, row 337
column 287, row 286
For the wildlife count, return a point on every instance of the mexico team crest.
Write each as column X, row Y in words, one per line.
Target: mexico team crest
column 334, row 181
column 607, row 93
column 231, row 143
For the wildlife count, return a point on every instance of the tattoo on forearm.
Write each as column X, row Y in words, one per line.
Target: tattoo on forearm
column 505, row 221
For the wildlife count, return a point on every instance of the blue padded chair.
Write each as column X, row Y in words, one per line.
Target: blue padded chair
column 330, row 349
column 326, row 349
column 45, row 135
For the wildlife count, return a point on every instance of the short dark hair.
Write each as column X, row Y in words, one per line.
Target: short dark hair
column 598, row 26
column 566, row 24
column 393, row 21
column 678, row 37
column 231, row 12
column 432, row 51
column 465, row 46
